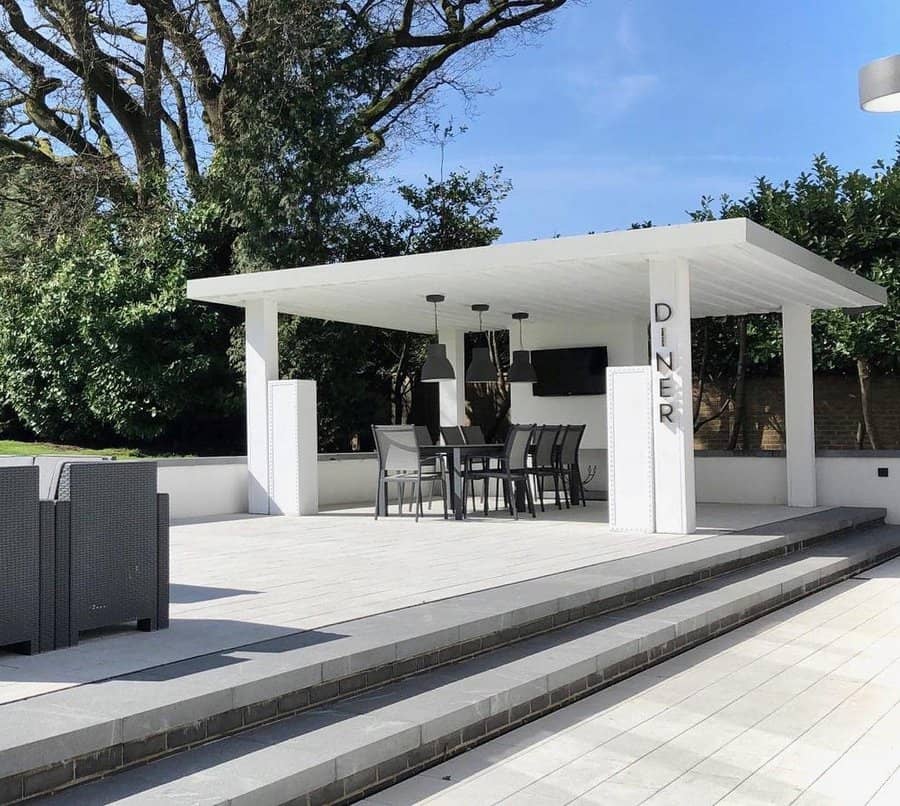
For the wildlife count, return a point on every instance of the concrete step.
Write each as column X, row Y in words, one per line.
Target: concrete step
column 137, row 717
column 360, row 744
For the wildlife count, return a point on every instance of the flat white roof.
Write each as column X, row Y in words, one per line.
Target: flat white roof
column 737, row 267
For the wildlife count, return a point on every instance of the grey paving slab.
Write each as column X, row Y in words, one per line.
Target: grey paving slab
column 280, row 760
column 146, row 702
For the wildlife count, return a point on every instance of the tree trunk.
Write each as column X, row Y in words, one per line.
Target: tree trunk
column 864, row 372
column 740, row 387
column 701, row 373
column 399, row 382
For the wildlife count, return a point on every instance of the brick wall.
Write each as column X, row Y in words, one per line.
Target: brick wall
column 836, row 409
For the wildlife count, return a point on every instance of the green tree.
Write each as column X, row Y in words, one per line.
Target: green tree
column 98, row 343
column 852, row 218
column 367, row 375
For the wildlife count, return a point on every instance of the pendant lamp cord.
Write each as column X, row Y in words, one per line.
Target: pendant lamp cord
column 521, row 341
column 435, row 321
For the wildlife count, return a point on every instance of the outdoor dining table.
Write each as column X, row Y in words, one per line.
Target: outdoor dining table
column 456, row 457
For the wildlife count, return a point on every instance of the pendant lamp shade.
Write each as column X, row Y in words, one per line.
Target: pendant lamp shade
column 521, row 369
column 437, row 366
column 482, row 369
column 879, row 85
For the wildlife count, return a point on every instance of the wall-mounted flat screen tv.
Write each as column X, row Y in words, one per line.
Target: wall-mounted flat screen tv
column 570, row 371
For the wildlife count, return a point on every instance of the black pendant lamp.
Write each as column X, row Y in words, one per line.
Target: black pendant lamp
column 482, row 369
column 521, row 369
column 436, row 367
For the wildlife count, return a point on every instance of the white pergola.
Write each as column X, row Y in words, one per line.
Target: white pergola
column 712, row 268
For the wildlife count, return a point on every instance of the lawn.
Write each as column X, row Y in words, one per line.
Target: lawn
column 16, row 448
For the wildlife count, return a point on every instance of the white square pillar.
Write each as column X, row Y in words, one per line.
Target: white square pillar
column 673, row 422
column 799, row 419
column 452, row 394
column 261, row 363
column 293, row 448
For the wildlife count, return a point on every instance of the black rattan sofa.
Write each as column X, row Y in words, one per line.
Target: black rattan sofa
column 96, row 554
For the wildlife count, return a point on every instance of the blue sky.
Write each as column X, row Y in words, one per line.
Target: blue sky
column 627, row 111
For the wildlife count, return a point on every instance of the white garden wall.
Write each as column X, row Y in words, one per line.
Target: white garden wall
column 846, row 478
column 218, row 486
column 204, row 487
column 208, row 487
column 727, row 479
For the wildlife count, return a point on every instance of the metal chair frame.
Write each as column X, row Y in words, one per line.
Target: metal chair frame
column 512, row 468
column 393, row 468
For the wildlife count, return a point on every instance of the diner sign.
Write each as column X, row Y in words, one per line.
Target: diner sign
column 662, row 313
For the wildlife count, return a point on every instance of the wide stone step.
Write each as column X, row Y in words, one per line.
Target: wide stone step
column 358, row 745
column 145, row 715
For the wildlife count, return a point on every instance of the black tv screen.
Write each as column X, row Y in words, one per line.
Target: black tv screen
column 570, row 371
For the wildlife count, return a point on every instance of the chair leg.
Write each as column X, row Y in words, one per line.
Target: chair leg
column 530, row 499
column 444, row 493
column 512, row 499
column 540, row 483
column 417, row 498
column 564, row 474
column 580, row 485
column 377, row 498
column 556, row 490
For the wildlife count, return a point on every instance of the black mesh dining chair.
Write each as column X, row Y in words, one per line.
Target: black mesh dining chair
column 512, row 468
column 569, row 462
column 545, row 461
column 401, row 462
column 453, row 435
column 473, row 434
column 434, row 464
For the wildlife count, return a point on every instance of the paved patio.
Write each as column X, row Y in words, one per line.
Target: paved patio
column 248, row 579
column 801, row 706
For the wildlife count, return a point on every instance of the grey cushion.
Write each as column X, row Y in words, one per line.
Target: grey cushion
column 50, row 468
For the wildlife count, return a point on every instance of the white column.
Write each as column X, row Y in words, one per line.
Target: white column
column 293, row 448
column 452, row 394
column 261, row 343
column 673, row 422
column 799, row 422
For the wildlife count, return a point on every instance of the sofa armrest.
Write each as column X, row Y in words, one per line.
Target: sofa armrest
column 47, row 639
column 162, row 531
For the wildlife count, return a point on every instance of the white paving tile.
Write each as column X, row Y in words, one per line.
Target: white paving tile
column 801, row 706
column 246, row 579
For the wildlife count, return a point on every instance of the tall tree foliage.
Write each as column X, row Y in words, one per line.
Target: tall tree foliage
column 125, row 88
column 852, row 218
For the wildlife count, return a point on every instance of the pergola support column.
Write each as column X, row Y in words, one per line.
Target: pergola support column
column 452, row 394
column 799, row 419
column 672, row 385
column 261, row 343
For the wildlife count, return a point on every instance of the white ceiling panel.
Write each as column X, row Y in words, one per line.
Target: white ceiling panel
column 736, row 267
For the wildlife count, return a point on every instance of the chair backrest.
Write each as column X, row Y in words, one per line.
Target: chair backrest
column 571, row 442
column 473, row 434
column 518, row 439
column 453, row 435
column 424, row 435
column 545, row 439
column 397, row 447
